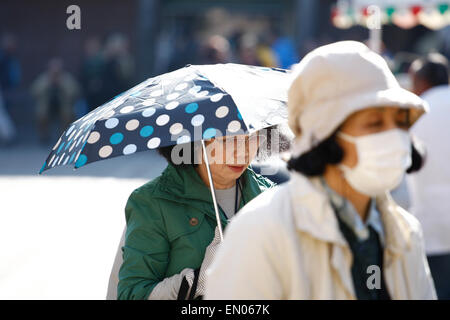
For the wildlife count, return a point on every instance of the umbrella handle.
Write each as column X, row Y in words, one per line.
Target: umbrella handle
column 213, row 192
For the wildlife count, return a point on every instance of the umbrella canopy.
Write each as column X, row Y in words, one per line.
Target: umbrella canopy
column 190, row 104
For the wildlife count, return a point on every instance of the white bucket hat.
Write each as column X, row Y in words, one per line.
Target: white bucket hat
column 334, row 81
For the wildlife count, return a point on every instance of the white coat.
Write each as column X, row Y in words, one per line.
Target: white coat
column 286, row 244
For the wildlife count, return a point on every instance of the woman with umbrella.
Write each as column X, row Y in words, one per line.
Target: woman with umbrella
column 225, row 111
column 171, row 221
column 334, row 231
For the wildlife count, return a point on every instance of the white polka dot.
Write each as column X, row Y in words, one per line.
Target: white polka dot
column 222, row 112
column 181, row 86
column 54, row 163
column 197, row 120
column 78, row 134
column 129, row 149
column 176, row 128
column 172, row 105
column 111, row 123
column 162, row 120
column 51, row 160
column 108, row 114
column 194, row 90
column 70, row 130
column 234, row 126
column 127, row 109
column 73, row 133
column 66, row 161
column 201, row 94
column 173, row 96
column 105, row 151
column 57, row 144
column 148, row 112
column 93, row 137
column 148, row 102
column 183, row 139
column 60, row 159
column 132, row 125
column 216, row 97
column 156, row 93
column 72, row 146
column 153, row 143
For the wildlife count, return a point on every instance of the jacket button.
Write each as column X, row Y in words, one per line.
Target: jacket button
column 193, row 222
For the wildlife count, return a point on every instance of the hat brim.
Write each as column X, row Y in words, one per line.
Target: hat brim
column 327, row 116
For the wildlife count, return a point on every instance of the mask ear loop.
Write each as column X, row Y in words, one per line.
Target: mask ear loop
column 346, row 137
column 343, row 182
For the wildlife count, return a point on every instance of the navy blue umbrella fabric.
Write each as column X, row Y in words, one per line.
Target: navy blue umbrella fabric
column 174, row 108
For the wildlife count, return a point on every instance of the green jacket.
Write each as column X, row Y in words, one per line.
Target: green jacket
column 170, row 222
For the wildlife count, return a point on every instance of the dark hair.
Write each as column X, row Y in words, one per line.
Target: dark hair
column 433, row 69
column 264, row 151
column 313, row 162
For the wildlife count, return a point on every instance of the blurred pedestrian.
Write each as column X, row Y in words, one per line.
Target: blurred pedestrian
column 10, row 75
column 333, row 231
column 7, row 128
column 10, row 70
column 92, row 69
column 430, row 188
column 55, row 92
column 283, row 48
column 216, row 50
column 119, row 67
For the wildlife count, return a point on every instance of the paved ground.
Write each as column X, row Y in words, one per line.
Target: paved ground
column 59, row 231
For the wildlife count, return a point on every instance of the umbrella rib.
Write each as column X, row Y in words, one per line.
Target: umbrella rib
column 213, row 193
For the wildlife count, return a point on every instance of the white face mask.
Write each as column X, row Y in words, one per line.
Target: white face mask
column 382, row 161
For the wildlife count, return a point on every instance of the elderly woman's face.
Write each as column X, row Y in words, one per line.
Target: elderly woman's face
column 229, row 156
column 369, row 121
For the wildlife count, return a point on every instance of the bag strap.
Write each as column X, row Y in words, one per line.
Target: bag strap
column 194, row 284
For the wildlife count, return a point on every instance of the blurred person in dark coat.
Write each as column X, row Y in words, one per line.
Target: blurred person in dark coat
column 92, row 70
column 430, row 188
column 119, row 67
column 55, row 92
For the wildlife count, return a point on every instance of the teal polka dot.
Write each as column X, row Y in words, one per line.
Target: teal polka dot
column 82, row 159
column 191, row 107
column 72, row 157
column 116, row 138
column 43, row 167
column 209, row 133
column 146, row 131
column 68, row 145
column 60, row 147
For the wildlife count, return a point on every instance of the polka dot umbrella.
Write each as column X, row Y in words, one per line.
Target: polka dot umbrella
column 190, row 104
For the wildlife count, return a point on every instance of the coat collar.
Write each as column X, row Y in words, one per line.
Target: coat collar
column 184, row 185
column 313, row 214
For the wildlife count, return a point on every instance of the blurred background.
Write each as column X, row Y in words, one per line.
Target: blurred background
column 122, row 43
column 51, row 75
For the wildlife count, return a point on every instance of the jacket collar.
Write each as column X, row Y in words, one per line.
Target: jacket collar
column 313, row 214
column 184, row 185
